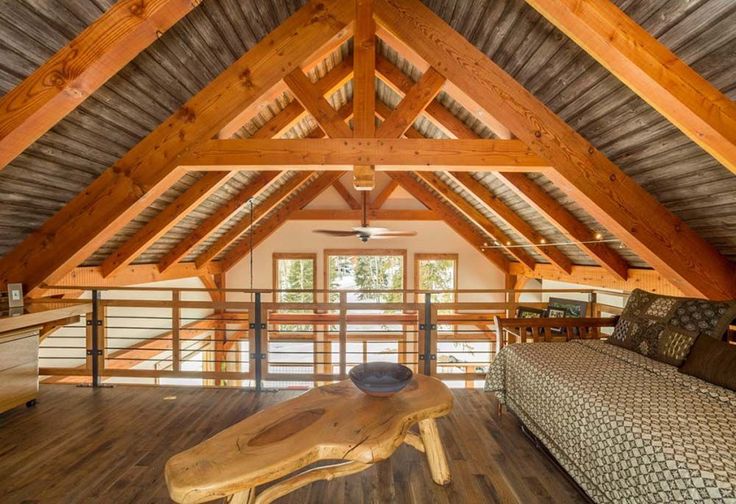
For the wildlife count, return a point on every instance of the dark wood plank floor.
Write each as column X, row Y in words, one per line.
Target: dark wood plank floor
column 110, row 446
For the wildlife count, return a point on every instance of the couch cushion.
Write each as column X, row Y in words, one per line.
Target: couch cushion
column 712, row 361
column 665, row 327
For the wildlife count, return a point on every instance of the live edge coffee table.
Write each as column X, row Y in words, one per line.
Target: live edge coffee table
column 335, row 422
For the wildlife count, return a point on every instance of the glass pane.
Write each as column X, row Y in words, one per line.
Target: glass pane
column 365, row 273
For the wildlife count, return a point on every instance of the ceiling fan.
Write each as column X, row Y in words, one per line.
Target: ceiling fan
column 366, row 232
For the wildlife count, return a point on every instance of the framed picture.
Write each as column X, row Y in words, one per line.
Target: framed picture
column 556, row 313
column 572, row 307
column 526, row 312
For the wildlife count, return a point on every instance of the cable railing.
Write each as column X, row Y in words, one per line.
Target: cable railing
column 248, row 338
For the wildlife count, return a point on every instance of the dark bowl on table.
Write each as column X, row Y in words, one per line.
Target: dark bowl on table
column 380, row 379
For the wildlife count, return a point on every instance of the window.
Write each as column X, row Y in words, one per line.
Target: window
column 436, row 272
column 294, row 272
column 366, row 270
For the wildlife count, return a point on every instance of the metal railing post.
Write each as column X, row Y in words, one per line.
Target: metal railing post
column 427, row 328
column 258, row 350
column 95, row 352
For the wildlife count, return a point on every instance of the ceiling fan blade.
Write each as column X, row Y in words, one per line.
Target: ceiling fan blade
column 333, row 232
column 388, row 234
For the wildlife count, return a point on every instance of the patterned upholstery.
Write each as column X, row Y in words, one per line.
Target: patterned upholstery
column 626, row 427
column 665, row 328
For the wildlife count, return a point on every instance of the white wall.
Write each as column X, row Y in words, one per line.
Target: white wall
column 474, row 270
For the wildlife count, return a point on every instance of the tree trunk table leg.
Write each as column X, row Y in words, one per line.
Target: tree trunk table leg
column 435, row 452
column 245, row 497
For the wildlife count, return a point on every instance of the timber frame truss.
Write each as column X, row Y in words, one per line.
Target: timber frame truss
column 528, row 138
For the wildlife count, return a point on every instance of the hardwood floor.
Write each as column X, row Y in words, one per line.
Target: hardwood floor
column 110, row 446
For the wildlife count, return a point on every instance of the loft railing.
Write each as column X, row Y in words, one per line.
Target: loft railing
column 251, row 339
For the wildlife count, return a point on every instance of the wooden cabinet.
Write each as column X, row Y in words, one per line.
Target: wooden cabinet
column 18, row 368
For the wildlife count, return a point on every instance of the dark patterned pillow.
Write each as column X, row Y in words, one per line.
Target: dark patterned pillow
column 665, row 327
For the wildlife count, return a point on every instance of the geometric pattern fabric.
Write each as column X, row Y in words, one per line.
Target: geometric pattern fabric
column 625, row 427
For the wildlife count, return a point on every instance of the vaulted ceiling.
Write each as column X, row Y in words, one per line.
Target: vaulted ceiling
column 202, row 219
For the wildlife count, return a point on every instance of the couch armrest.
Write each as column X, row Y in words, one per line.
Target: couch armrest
column 523, row 330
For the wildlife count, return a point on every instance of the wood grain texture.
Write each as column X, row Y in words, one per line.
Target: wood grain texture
column 490, row 457
column 417, row 98
column 163, row 222
column 333, row 422
column 481, row 154
column 597, row 184
column 211, row 224
column 80, row 68
column 450, row 217
column 653, row 71
column 134, row 181
column 313, row 101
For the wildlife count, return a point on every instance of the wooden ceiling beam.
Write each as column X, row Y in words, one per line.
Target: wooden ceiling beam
column 364, row 87
column 256, row 186
column 565, row 222
column 385, row 194
column 415, row 101
column 373, row 215
column 344, row 193
column 597, row 276
column 406, row 51
column 268, row 226
column 149, row 168
column 163, row 221
column 472, row 213
column 389, row 153
column 259, row 212
column 598, row 185
column 651, row 70
column 510, row 217
column 80, row 68
column 310, row 98
column 451, row 218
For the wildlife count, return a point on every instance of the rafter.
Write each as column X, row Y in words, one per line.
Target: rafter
column 385, row 194
column 415, row 101
column 259, row 183
column 450, row 217
column 364, row 87
column 650, row 69
column 646, row 279
column 311, row 99
column 259, row 212
column 472, row 213
column 80, row 68
column 268, row 226
column 139, row 177
column 345, row 195
column 565, row 222
column 164, row 221
column 341, row 153
column 598, row 185
column 510, row 217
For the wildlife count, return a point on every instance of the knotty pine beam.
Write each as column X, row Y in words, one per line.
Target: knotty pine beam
column 259, row 212
column 364, row 87
column 310, row 98
column 450, row 217
column 268, row 226
column 80, row 68
column 164, row 221
column 651, row 70
column 510, row 217
column 565, row 222
column 344, row 193
column 221, row 215
column 598, row 186
column 464, row 207
column 414, row 102
column 341, row 153
column 149, row 168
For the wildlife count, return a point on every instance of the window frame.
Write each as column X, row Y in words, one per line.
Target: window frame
column 278, row 256
column 327, row 253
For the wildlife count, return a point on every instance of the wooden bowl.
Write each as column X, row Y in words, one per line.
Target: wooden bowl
column 380, row 379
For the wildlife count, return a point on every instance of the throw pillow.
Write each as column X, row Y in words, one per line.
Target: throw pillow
column 713, row 361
